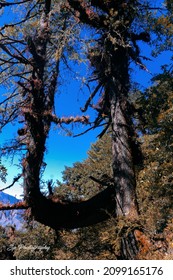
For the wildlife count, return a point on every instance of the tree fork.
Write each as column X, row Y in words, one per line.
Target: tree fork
column 54, row 214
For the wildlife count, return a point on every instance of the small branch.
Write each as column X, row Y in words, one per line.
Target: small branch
column 104, row 130
column 91, row 97
column 17, row 23
column 106, row 182
column 84, row 132
column 93, row 127
column 10, row 118
column 12, row 184
column 21, row 59
column 15, row 206
column 86, row 14
column 68, row 120
column 9, row 97
column 2, row 4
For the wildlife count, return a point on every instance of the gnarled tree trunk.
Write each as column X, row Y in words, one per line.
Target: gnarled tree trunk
column 38, row 115
column 117, row 89
column 110, row 58
column 120, row 201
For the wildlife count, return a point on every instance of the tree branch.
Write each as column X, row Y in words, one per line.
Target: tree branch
column 5, row 4
column 86, row 14
column 16, row 179
column 67, row 120
column 70, row 215
column 15, row 206
column 91, row 97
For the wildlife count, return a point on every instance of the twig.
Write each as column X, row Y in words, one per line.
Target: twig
column 91, row 98
column 92, row 127
column 12, row 184
column 101, row 182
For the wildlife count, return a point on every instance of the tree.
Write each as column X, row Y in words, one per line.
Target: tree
column 110, row 58
column 154, row 178
column 34, row 104
column 110, row 55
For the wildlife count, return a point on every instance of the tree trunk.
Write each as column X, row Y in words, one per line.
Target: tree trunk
column 123, row 168
column 123, row 165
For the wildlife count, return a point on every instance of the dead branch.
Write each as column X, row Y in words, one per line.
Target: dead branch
column 15, row 206
column 91, row 98
column 16, row 179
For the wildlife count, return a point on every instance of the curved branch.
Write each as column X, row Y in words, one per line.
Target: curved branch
column 4, row 4
column 70, row 215
column 92, row 95
column 93, row 127
column 16, row 179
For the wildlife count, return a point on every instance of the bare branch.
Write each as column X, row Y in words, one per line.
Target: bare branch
column 17, row 23
column 9, row 97
column 15, row 206
column 16, row 179
column 106, row 182
column 92, row 127
column 19, row 58
column 104, row 130
column 88, row 102
column 5, row 4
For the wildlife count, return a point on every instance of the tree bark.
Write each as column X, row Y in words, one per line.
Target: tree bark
column 123, row 168
column 123, row 165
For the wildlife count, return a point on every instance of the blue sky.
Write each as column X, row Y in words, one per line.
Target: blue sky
column 63, row 150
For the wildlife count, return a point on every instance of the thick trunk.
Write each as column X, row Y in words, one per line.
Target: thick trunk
column 123, row 164
column 124, row 178
column 117, row 89
column 123, row 168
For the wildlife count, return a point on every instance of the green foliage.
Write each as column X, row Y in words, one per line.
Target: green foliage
column 154, row 101
column 96, row 242
column 6, row 241
column 77, row 182
column 155, row 180
column 35, row 243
